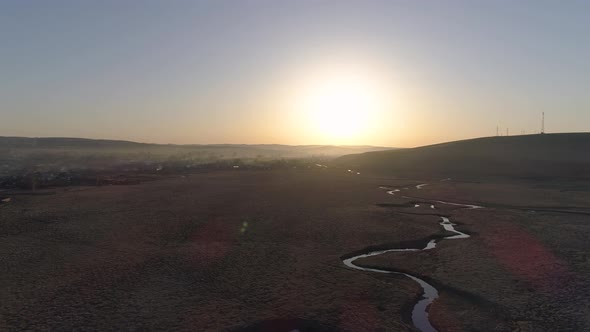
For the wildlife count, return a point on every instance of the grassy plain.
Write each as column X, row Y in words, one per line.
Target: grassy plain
column 256, row 250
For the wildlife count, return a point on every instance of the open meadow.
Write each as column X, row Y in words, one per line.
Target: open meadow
column 263, row 251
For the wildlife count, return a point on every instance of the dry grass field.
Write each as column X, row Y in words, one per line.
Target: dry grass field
column 262, row 251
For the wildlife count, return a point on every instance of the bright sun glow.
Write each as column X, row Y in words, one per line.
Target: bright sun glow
column 341, row 107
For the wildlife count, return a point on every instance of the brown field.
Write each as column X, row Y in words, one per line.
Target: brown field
column 253, row 250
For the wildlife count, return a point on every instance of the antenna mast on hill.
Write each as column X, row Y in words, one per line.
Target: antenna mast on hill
column 543, row 123
column 497, row 133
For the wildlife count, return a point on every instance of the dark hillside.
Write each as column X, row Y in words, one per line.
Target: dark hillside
column 529, row 156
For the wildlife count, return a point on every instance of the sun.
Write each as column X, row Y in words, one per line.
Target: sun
column 341, row 108
column 338, row 102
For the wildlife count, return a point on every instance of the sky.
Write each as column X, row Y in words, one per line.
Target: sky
column 388, row 73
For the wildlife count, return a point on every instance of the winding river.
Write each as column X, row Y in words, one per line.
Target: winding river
column 420, row 310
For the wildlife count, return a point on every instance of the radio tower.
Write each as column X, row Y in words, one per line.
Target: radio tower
column 543, row 123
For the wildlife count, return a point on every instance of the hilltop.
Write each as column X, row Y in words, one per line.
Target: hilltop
column 528, row 156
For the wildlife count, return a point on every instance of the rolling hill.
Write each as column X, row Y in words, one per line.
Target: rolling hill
column 565, row 155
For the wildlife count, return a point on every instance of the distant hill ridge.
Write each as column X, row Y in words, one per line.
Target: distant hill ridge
column 241, row 149
column 22, row 142
column 547, row 155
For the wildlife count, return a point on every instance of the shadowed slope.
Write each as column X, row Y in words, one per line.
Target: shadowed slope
column 549, row 155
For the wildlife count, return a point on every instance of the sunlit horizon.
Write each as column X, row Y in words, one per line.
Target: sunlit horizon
column 397, row 74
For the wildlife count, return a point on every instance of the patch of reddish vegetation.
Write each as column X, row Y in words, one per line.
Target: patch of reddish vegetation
column 442, row 318
column 359, row 315
column 523, row 255
column 212, row 241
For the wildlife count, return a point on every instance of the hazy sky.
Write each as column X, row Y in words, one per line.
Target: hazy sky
column 245, row 71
